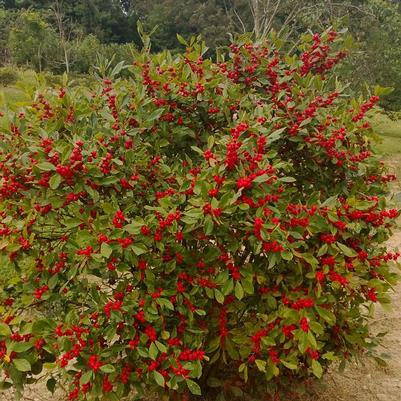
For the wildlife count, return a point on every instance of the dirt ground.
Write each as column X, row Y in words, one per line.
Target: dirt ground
column 363, row 382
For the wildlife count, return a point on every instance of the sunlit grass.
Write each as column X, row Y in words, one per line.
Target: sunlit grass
column 390, row 132
column 13, row 94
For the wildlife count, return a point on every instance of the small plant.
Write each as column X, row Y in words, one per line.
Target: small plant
column 201, row 227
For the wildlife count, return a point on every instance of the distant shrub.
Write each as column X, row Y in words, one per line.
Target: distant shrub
column 52, row 80
column 8, row 76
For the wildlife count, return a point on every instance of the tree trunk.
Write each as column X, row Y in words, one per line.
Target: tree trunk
column 40, row 58
column 257, row 16
column 66, row 60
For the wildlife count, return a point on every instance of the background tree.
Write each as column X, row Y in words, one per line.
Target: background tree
column 64, row 30
column 32, row 40
column 374, row 24
column 5, row 17
column 187, row 18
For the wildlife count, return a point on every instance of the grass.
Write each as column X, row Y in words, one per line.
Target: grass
column 10, row 95
column 13, row 94
column 390, row 133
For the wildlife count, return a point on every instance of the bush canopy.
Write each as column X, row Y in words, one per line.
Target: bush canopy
column 198, row 226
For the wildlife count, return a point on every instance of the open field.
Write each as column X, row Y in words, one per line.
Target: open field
column 390, row 133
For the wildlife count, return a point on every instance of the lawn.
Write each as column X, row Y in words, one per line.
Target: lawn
column 390, row 133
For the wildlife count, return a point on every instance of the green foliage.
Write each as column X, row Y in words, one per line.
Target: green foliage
column 187, row 18
column 90, row 49
column 375, row 26
column 85, row 53
column 8, row 76
column 102, row 18
column 32, row 41
column 93, row 27
column 5, row 22
column 380, row 46
column 197, row 227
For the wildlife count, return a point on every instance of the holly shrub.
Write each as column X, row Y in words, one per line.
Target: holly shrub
column 201, row 227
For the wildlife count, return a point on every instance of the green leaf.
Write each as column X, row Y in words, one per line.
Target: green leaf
column 134, row 227
column 159, row 378
column 310, row 259
column 86, row 377
column 51, row 384
column 287, row 255
column 317, row 369
column 330, row 356
column 208, row 225
column 346, row 250
column 287, row 179
column 117, row 69
column 261, row 365
column 261, row 178
column 139, row 250
column 53, row 281
column 268, row 342
column 155, row 115
column 106, row 250
column 239, row 291
column 382, row 91
column 210, row 141
column 165, row 303
column 326, row 315
column 247, row 285
column 197, row 150
column 161, row 347
column 153, row 351
column 228, row 287
column 108, row 368
column 194, row 387
column 289, row 365
column 109, row 180
column 22, row 365
column 55, row 181
column 46, row 166
column 219, row 296
column 182, row 40
column 5, row 385
column 4, row 330
column 21, row 347
column 275, row 135
column 303, row 342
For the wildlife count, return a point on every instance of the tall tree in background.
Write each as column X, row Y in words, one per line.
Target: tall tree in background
column 261, row 16
column 65, row 30
column 32, row 40
column 374, row 24
column 6, row 17
column 186, row 17
column 106, row 19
